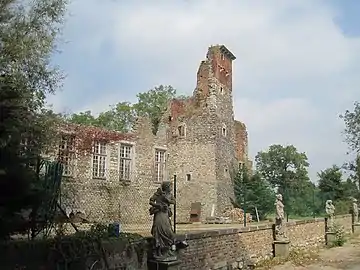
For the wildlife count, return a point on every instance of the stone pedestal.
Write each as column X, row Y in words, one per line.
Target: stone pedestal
column 282, row 248
column 156, row 265
column 356, row 228
column 330, row 238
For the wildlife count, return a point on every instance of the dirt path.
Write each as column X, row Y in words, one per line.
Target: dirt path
column 346, row 258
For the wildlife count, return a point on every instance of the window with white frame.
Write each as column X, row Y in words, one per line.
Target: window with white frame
column 125, row 161
column 99, row 160
column 67, row 154
column 160, row 165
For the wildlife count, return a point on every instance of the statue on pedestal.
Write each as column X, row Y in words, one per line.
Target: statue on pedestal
column 355, row 211
column 330, row 211
column 165, row 245
column 280, row 234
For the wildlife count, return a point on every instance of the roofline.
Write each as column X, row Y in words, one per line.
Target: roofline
column 227, row 52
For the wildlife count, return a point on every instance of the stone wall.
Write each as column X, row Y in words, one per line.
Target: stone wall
column 112, row 198
column 223, row 248
column 216, row 249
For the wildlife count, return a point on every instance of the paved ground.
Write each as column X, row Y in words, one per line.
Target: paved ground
column 344, row 258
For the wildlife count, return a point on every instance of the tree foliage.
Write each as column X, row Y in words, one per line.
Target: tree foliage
column 28, row 31
column 282, row 166
column 286, row 169
column 333, row 186
column 352, row 138
column 27, row 39
column 153, row 103
column 352, row 127
column 121, row 117
column 330, row 183
column 253, row 192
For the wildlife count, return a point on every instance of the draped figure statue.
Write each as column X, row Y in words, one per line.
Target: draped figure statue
column 165, row 244
column 330, row 211
column 280, row 233
column 355, row 211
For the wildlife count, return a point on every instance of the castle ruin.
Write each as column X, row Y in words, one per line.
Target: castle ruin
column 198, row 140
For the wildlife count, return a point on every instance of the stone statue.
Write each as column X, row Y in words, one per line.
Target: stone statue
column 330, row 211
column 165, row 245
column 279, row 219
column 355, row 211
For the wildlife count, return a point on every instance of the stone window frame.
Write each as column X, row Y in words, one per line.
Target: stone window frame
column 222, row 90
column 132, row 160
column 67, row 155
column 224, row 130
column 188, row 177
column 102, row 155
column 182, row 127
column 157, row 178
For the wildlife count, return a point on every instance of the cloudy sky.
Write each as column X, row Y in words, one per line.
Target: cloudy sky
column 296, row 70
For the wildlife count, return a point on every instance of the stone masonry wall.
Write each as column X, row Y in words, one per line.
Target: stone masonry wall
column 220, row 249
column 111, row 199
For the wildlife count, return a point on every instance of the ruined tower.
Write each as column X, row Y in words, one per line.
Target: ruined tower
column 202, row 141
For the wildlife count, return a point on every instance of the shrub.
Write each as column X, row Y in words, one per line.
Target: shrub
column 339, row 235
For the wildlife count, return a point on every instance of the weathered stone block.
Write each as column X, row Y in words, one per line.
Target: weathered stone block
column 155, row 265
column 356, row 228
column 220, row 265
column 330, row 238
column 282, row 248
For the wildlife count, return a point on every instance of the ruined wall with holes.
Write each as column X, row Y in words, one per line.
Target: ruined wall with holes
column 207, row 156
column 203, row 143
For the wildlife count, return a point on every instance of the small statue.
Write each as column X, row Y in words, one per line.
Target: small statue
column 165, row 246
column 355, row 211
column 330, row 211
column 280, row 233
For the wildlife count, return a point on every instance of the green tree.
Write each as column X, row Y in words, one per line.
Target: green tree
column 84, row 118
column 27, row 39
column 285, row 169
column 330, row 183
column 354, row 169
column 352, row 127
column 332, row 187
column 350, row 188
column 154, row 102
column 253, row 193
column 352, row 137
column 302, row 199
column 121, row 117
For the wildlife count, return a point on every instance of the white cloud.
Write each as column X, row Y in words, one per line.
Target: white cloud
column 294, row 74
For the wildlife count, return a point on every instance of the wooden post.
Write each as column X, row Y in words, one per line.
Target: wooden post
column 175, row 203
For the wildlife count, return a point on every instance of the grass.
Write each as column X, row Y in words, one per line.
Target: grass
column 298, row 257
